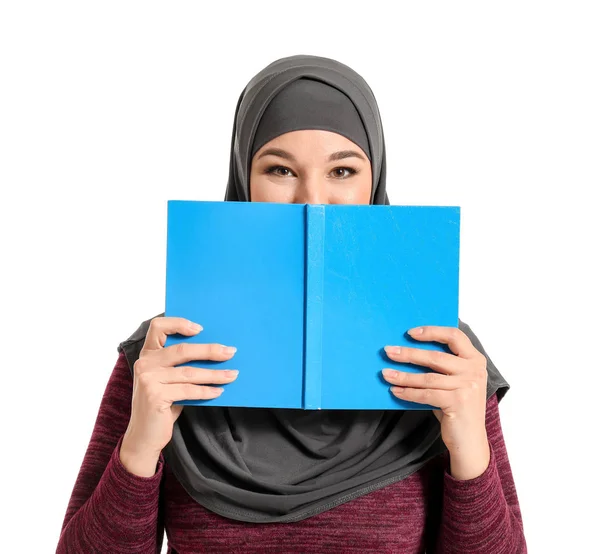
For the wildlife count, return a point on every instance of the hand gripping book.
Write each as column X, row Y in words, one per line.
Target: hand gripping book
column 310, row 295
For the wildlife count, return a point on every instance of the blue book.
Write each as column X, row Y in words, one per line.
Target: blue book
column 310, row 295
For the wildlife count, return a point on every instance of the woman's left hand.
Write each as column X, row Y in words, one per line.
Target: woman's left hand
column 457, row 386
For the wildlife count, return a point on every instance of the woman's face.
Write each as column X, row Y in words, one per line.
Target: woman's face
column 310, row 167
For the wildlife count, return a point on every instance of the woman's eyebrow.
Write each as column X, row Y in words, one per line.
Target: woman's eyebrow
column 279, row 153
column 336, row 156
column 343, row 154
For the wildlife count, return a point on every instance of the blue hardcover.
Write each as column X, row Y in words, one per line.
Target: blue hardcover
column 310, row 295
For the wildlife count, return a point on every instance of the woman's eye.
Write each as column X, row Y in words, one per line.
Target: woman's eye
column 280, row 171
column 343, row 172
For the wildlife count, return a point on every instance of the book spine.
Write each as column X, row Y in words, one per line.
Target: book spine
column 313, row 332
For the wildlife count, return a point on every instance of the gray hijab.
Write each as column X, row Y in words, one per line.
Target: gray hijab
column 266, row 85
column 275, row 465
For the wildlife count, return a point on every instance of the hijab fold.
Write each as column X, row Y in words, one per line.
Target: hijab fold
column 281, row 465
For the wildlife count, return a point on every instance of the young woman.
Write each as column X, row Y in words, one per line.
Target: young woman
column 307, row 130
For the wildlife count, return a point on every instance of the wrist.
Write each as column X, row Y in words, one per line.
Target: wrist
column 469, row 463
column 138, row 461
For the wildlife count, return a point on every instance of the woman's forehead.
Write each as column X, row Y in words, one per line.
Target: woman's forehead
column 326, row 145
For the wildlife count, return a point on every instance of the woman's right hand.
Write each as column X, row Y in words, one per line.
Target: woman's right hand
column 157, row 383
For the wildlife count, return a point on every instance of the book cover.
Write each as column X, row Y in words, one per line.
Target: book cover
column 311, row 294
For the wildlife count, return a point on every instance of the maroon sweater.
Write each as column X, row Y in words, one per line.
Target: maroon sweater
column 114, row 511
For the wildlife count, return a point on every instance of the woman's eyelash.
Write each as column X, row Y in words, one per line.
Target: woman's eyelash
column 350, row 170
column 274, row 168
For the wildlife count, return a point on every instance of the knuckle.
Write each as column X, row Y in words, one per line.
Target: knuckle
column 215, row 351
column 482, row 374
column 188, row 373
column 138, row 366
column 480, row 371
column 464, row 395
column 181, row 349
column 432, row 378
column 436, row 358
column 454, row 332
column 141, row 366
column 154, row 325
column 473, row 384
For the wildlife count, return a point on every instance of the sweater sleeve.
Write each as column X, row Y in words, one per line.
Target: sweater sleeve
column 110, row 509
column 482, row 515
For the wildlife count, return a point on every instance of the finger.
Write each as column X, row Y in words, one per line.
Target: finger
column 434, row 397
column 160, row 327
column 188, row 391
column 197, row 375
column 434, row 359
column 458, row 342
column 429, row 380
column 184, row 352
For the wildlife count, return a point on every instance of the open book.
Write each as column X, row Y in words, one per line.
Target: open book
column 311, row 294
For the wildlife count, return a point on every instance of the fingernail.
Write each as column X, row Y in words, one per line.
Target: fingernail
column 217, row 391
column 390, row 373
column 393, row 349
column 416, row 331
column 231, row 373
column 229, row 350
column 195, row 327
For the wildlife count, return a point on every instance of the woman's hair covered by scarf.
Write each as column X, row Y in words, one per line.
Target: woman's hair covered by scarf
column 264, row 88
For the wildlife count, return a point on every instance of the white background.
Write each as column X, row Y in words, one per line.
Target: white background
column 108, row 109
